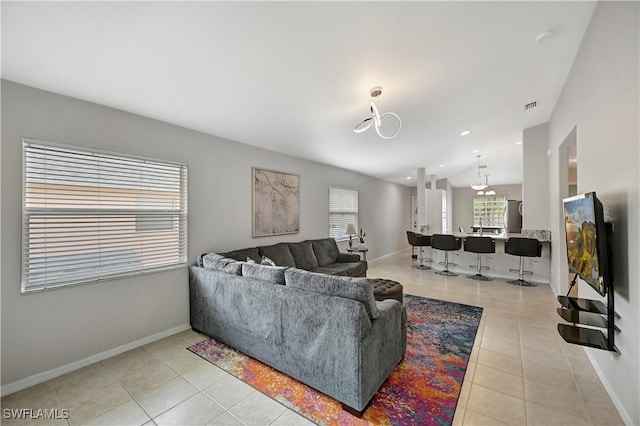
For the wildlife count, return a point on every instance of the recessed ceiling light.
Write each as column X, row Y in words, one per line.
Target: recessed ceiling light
column 519, row 143
column 465, row 133
column 408, row 177
column 475, row 151
column 441, row 165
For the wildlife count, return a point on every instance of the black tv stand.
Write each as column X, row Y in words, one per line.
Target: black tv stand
column 592, row 313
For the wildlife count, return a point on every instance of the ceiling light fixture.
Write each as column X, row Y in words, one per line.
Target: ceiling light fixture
column 488, row 190
column 544, row 36
column 475, row 151
column 441, row 165
column 477, row 182
column 376, row 118
column 465, row 133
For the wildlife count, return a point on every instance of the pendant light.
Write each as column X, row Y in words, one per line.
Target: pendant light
column 477, row 182
column 488, row 190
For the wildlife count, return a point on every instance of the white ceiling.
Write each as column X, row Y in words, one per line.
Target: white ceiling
column 294, row 77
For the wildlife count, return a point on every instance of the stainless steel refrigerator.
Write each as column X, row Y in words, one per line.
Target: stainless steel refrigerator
column 513, row 217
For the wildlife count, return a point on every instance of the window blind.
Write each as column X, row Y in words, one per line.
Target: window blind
column 343, row 209
column 91, row 215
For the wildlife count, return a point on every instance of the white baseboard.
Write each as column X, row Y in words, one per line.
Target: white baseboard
column 388, row 255
column 626, row 418
column 67, row 368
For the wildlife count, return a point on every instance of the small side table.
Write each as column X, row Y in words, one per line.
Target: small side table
column 359, row 250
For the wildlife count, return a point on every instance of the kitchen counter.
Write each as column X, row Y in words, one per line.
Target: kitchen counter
column 544, row 238
column 541, row 235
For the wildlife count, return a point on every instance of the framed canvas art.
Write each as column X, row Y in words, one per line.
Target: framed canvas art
column 275, row 203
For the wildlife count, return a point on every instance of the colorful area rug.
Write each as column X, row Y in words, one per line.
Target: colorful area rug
column 422, row 390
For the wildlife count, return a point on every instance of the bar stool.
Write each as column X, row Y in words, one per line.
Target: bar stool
column 419, row 240
column 479, row 245
column 446, row 243
column 523, row 247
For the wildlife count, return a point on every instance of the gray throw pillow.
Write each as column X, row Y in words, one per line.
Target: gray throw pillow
column 303, row 255
column 243, row 254
column 360, row 289
column 221, row 263
column 273, row 274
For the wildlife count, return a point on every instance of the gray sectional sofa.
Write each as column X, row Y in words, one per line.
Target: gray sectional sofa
column 320, row 255
column 324, row 330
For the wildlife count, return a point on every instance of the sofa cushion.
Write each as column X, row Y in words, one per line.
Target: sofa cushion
column 334, row 269
column 355, row 269
column 273, row 274
column 221, row 263
column 279, row 253
column 243, row 254
column 348, row 258
column 360, row 289
column 326, row 251
column 303, row 255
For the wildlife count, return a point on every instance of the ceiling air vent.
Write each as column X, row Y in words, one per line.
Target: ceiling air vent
column 530, row 105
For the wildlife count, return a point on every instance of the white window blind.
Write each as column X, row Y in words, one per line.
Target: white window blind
column 91, row 215
column 490, row 209
column 343, row 210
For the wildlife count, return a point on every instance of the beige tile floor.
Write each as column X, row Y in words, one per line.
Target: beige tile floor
column 520, row 371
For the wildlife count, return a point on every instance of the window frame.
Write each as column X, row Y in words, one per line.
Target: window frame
column 92, row 262
column 344, row 237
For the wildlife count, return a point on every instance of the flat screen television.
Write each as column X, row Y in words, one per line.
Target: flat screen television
column 586, row 235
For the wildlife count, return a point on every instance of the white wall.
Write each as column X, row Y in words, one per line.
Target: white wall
column 462, row 204
column 535, row 178
column 446, row 185
column 600, row 98
column 50, row 329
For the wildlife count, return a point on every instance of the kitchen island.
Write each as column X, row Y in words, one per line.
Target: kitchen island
column 499, row 262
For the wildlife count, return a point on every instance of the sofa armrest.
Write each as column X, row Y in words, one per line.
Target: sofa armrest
column 382, row 348
column 347, row 258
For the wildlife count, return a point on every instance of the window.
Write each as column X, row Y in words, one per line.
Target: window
column 490, row 209
column 91, row 215
column 343, row 210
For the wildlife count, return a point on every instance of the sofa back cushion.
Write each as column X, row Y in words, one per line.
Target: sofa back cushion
column 279, row 253
column 221, row 263
column 326, row 251
column 303, row 255
column 360, row 289
column 274, row 274
column 244, row 254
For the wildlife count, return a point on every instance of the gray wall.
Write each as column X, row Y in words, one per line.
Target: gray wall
column 463, row 203
column 47, row 330
column 535, row 178
column 600, row 98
